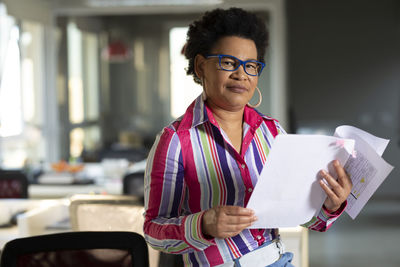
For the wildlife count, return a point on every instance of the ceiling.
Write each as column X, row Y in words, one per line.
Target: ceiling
column 114, row 7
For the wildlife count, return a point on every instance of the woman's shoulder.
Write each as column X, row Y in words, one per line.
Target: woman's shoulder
column 172, row 128
column 260, row 114
column 270, row 121
column 175, row 125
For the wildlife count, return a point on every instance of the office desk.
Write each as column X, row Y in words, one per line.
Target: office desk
column 7, row 234
column 40, row 191
column 38, row 216
column 45, row 217
column 107, row 176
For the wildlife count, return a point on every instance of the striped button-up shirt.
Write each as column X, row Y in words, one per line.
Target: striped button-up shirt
column 193, row 167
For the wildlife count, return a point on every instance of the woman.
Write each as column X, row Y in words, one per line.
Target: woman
column 203, row 167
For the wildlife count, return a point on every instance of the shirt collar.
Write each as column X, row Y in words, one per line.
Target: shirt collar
column 198, row 113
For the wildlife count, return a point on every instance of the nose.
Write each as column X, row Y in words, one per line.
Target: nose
column 240, row 74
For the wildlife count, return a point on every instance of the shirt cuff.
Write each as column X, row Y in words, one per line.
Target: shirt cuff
column 194, row 237
column 336, row 213
column 329, row 217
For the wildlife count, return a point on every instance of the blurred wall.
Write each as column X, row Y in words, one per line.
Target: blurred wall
column 139, row 89
column 344, row 68
column 135, row 93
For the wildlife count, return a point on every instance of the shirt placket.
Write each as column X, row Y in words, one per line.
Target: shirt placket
column 258, row 234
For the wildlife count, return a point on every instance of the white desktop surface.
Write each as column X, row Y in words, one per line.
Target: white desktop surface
column 29, row 223
column 41, row 191
column 7, row 234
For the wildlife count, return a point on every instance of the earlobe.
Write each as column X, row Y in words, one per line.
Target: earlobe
column 198, row 65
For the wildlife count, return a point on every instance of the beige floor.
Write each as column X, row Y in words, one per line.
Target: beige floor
column 371, row 240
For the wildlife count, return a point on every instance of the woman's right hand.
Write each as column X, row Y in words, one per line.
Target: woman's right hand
column 226, row 221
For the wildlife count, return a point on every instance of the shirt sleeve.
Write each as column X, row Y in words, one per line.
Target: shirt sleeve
column 324, row 220
column 165, row 227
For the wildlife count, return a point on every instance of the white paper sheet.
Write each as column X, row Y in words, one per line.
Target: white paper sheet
column 367, row 170
column 287, row 192
column 378, row 144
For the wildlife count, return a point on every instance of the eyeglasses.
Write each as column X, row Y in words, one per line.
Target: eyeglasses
column 231, row 63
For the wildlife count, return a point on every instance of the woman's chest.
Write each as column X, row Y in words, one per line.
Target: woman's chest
column 217, row 170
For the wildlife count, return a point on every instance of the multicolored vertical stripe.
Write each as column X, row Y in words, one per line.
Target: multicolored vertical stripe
column 191, row 168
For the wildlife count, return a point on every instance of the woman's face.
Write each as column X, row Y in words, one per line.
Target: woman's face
column 229, row 90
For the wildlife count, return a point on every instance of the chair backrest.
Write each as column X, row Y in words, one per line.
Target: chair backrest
column 13, row 184
column 109, row 213
column 77, row 249
column 106, row 213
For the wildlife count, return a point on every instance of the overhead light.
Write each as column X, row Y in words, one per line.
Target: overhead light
column 119, row 3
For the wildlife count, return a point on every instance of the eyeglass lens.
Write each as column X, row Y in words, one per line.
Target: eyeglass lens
column 231, row 64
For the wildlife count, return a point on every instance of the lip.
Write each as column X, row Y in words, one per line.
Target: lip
column 237, row 88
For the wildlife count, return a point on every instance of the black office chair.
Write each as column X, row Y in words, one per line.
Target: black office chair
column 77, row 249
column 13, row 184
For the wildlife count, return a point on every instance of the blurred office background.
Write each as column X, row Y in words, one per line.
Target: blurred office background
column 88, row 80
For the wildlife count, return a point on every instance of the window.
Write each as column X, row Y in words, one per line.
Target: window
column 83, row 90
column 21, row 92
column 183, row 89
column 10, row 87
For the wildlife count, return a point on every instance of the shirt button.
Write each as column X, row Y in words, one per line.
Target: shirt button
column 250, row 190
column 243, row 166
column 258, row 237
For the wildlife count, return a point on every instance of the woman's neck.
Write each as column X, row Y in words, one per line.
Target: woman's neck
column 232, row 124
column 225, row 116
column 228, row 119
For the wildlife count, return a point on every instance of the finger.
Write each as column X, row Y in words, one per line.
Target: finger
column 333, row 184
column 239, row 220
column 237, row 211
column 222, row 229
column 343, row 177
column 341, row 173
column 329, row 192
column 232, row 215
column 233, row 227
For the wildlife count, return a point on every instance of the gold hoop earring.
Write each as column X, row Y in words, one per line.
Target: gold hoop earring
column 259, row 99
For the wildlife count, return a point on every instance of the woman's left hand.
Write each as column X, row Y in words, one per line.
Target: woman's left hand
column 338, row 190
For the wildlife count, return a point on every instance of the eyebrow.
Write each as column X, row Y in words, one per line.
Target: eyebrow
column 256, row 59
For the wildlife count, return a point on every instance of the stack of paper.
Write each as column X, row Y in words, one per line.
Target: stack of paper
column 288, row 194
column 367, row 169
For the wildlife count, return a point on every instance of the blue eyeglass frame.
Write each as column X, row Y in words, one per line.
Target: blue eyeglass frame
column 241, row 63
